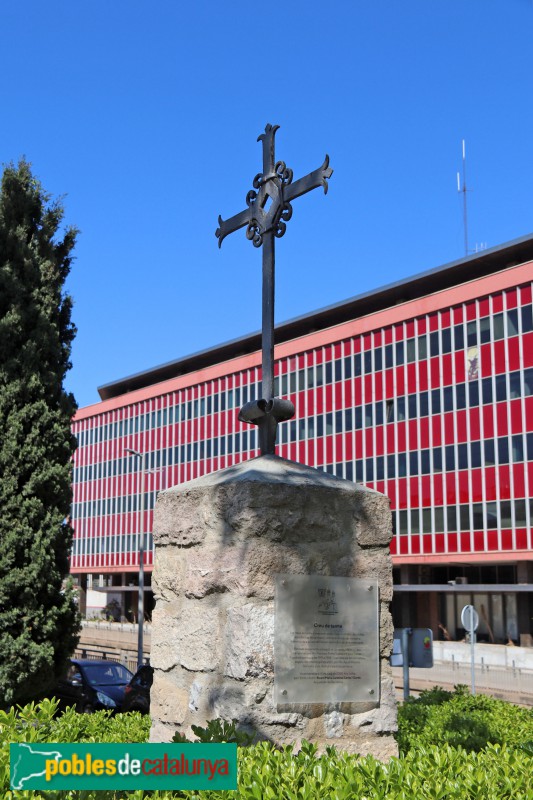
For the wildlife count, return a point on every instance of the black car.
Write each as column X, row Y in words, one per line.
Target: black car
column 137, row 692
column 94, row 685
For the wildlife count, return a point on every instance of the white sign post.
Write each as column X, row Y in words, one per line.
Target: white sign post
column 470, row 621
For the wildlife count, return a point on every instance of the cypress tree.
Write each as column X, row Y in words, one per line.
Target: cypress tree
column 38, row 616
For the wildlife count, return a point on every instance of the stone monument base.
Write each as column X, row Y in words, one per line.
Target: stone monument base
column 220, row 541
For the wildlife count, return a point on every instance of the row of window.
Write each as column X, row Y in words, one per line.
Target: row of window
column 102, row 545
column 106, row 506
column 495, row 327
column 409, row 407
column 468, row 455
column 502, row 515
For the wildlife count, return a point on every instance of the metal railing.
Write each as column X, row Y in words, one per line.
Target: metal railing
column 512, row 683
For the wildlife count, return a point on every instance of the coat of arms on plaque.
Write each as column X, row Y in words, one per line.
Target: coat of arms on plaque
column 327, row 603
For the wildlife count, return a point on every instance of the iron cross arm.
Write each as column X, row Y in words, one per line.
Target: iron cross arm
column 284, row 191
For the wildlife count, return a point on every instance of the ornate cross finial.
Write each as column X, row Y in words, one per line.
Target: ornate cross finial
column 266, row 216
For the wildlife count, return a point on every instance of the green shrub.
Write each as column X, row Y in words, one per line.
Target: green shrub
column 426, row 772
column 461, row 720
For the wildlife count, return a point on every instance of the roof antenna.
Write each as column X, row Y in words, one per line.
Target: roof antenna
column 463, row 192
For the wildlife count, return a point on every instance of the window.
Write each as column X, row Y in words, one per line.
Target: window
column 464, row 517
column 528, row 381
column 477, row 516
column 503, row 450
column 512, row 322
column 505, row 514
column 514, row 385
column 450, row 457
column 388, row 356
column 527, row 319
column 501, row 388
column 490, row 458
column 347, row 367
column 497, row 321
column 473, row 393
column 492, row 515
column 400, row 409
column 402, row 465
column 399, row 353
column 435, row 401
column 459, row 337
column 520, row 513
column 448, row 398
column 462, row 456
column 451, row 519
column 471, row 333
column 484, row 330
column 486, row 386
column 517, row 447
column 475, row 454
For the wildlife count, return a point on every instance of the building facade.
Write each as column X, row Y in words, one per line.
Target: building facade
column 422, row 390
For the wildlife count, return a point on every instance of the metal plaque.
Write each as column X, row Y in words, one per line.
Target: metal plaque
column 326, row 640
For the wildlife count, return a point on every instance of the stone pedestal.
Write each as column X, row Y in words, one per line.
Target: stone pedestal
column 220, row 540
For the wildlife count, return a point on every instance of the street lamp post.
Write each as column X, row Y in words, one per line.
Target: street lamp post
column 140, row 607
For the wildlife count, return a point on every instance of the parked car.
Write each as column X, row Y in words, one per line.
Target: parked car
column 93, row 685
column 137, row 692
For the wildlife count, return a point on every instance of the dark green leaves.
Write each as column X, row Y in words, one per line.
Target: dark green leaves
column 38, row 620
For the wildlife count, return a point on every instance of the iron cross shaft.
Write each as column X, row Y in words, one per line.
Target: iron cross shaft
column 266, row 216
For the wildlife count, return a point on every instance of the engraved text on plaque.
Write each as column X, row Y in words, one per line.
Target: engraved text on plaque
column 326, row 635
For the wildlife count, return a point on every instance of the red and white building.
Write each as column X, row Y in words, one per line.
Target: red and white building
column 422, row 390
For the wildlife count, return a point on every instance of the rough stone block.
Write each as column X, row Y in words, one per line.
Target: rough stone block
column 220, row 541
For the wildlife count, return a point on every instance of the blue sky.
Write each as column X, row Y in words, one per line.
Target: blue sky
column 145, row 115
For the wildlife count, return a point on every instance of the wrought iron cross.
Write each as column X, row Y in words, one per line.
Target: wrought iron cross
column 269, row 209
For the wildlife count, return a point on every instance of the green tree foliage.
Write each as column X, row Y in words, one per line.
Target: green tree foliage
column 38, row 618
